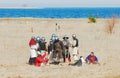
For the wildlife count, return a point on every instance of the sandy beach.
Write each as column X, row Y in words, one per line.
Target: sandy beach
column 14, row 50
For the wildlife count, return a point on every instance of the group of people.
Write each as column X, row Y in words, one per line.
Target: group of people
column 38, row 51
column 41, row 54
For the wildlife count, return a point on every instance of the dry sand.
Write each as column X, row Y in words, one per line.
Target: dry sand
column 14, row 50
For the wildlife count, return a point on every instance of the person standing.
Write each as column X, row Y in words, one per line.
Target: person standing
column 33, row 51
column 42, row 45
column 66, row 44
column 58, row 50
column 75, row 47
column 50, row 47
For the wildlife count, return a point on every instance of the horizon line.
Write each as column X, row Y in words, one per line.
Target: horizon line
column 58, row 7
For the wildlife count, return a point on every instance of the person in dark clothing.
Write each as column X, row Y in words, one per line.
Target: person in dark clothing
column 42, row 45
column 50, row 47
column 58, row 50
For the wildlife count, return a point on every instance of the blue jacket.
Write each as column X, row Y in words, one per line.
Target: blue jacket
column 89, row 56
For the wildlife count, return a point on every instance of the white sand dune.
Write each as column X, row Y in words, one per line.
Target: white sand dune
column 14, row 50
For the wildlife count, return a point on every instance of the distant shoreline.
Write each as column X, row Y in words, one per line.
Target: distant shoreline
column 22, row 7
column 50, row 7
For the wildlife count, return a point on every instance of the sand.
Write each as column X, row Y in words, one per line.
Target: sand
column 14, row 50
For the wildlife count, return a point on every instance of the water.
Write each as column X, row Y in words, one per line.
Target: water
column 60, row 13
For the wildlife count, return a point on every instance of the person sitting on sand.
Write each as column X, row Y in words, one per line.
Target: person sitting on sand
column 33, row 53
column 41, row 60
column 91, row 59
column 78, row 62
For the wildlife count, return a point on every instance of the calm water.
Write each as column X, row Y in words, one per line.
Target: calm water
column 60, row 13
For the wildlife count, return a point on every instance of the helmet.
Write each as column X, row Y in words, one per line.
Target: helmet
column 38, row 38
column 74, row 35
column 56, row 38
column 43, row 39
column 53, row 38
column 53, row 35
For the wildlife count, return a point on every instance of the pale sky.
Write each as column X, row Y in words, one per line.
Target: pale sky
column 60, row 3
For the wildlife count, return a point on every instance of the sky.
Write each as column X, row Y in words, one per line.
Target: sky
column 60, row 3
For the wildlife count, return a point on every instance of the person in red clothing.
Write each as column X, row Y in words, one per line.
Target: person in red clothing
column 33, row 52
column 91, row 58
column 32, row 41
column 41, row 60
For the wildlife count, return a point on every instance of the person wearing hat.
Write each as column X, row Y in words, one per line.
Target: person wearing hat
column 66, row 44
column 75, row 47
